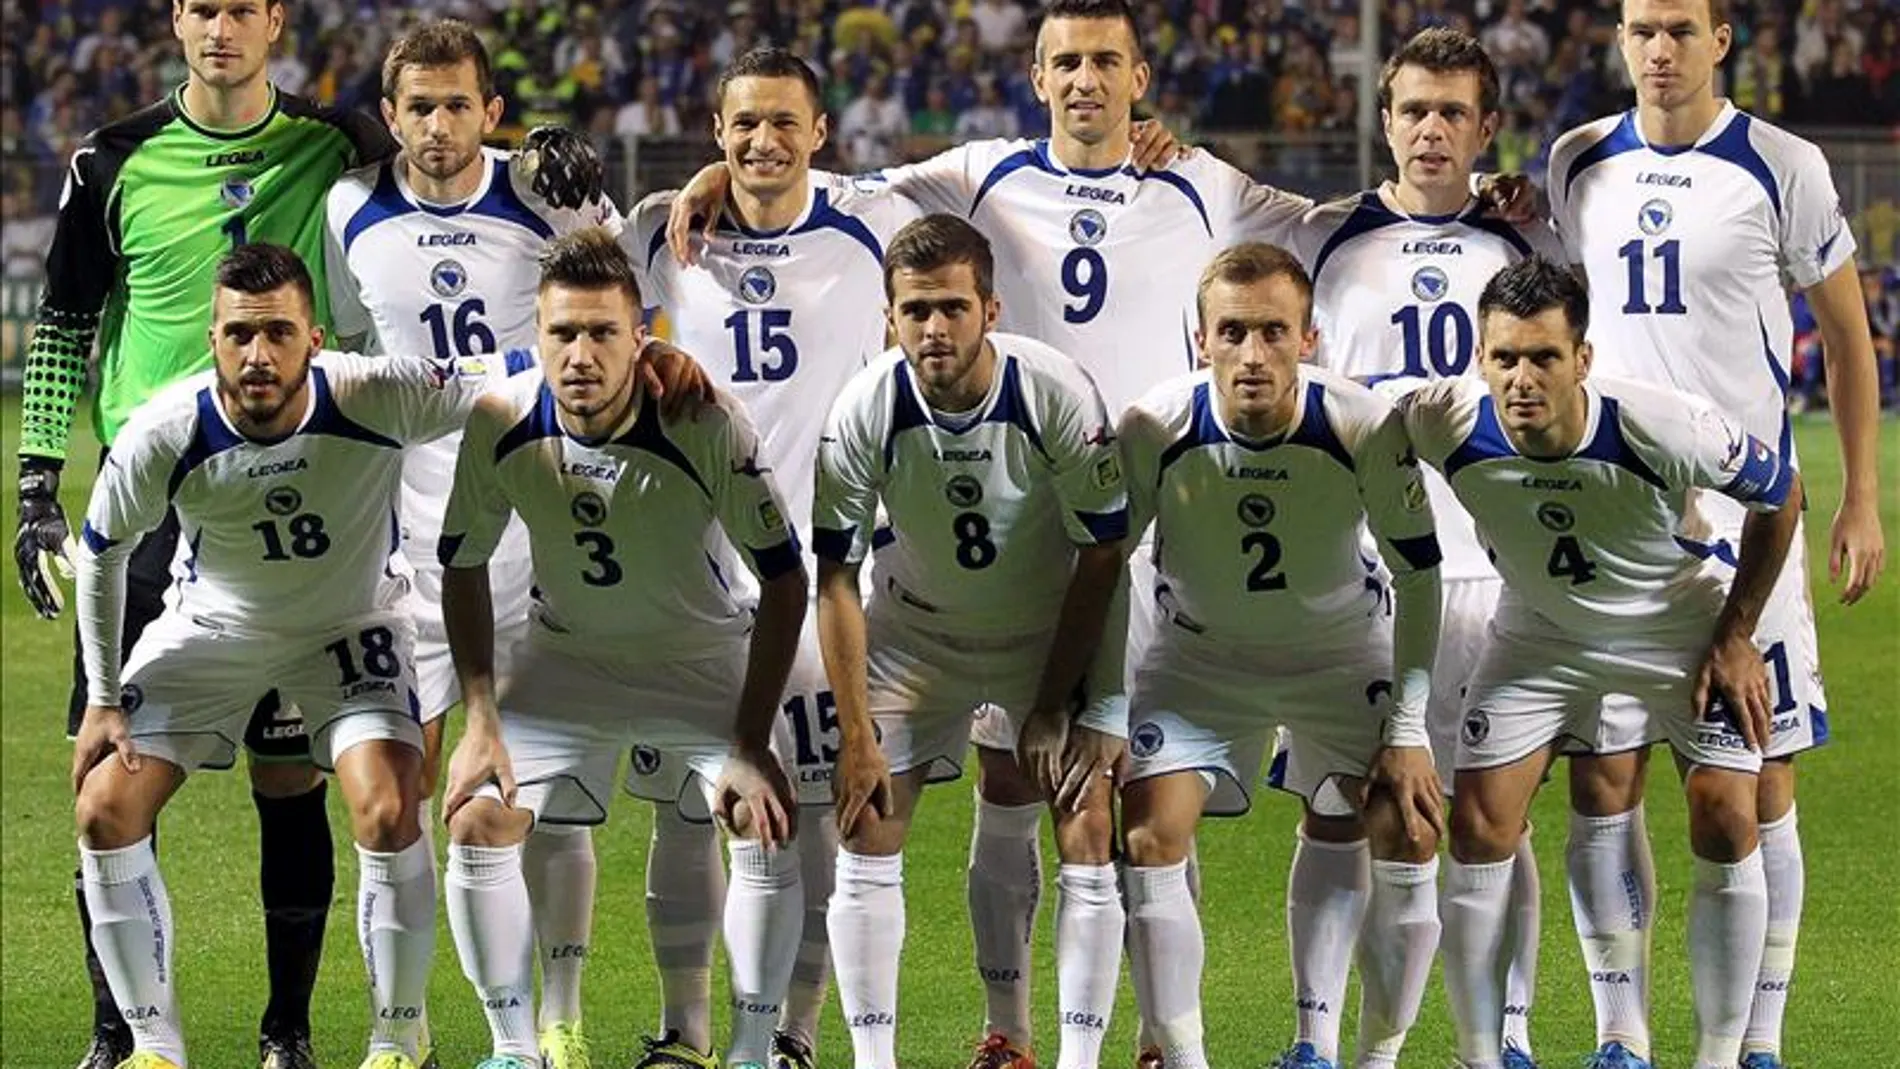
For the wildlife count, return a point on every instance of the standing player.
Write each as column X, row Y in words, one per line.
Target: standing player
column 995, row 465
column 1586, row 489
column 782, row 300
column 434, row 252
column 1396, row 275
column 1262, row 477
column 636, row 635
column 281, row 466
column 1689, row 217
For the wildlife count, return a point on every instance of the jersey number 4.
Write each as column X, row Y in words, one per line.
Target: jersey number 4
column 1567, row 561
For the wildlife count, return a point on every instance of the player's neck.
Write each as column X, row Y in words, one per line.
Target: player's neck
column 454, row 189
column 1261, row 426
column 755, row 212
column 966, row 393
column 1558, row 440
column 608, row 423
column 1672, row 127
column 287, row 419
column 227, row 109
column 1075, row 155
column 1413, row 200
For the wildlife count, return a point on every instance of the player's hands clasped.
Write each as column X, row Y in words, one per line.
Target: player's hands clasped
column 1733, row 673
column 860, row 783
column 479, row 759
column 1409, row 776
column 39, row 547
column 105, row 731
column 755, row 797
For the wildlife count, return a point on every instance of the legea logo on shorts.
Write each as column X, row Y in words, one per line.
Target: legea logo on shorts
column 1146, row 739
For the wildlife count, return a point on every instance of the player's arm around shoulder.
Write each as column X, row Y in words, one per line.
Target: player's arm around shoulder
column 1434, row 414
column 412, row 399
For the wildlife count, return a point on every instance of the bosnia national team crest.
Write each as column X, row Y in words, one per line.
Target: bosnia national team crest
column 1555, row 516
column 1146, row 739
column 236, row 191
column 1430, row 284
column 1255, row 510
column 1087, row 227
column 588, row 509
column 756, row 285
column 1655, row 216
column 448, row 278
column 963, row 491
column 1477, row 727
column 646, row 760
column 282, row 500
column 130, row 698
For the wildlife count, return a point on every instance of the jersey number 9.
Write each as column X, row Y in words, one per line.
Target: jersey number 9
column 1084, row 277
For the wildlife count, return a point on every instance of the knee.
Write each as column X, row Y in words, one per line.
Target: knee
column 284, row 779
column 1150, row 846
column 483, row 822
column 384, row 821
column 1479, row 836
column 1774, row 790
column 107, row 820
column 1000, row 781
column 1390, row 838
column 1722, row 820
column 1606, row 786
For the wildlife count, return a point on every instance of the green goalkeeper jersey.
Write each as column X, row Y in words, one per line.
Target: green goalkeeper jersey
column 151, row 204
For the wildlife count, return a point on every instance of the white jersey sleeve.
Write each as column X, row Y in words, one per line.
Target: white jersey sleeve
column 844, row 503
column 743, row 493
column 477, row 511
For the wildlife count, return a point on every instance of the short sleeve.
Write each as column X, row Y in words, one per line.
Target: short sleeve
column 1721, row 456
column 1393, row 491
column 478, row 509
column 1815, row 237
column 748, row 504
column 1254, row 211
column 844, row 501
column 643, row 237
column 1424, row 415
column 1142, row 438
column 1085, row 461
column 133, row 489
column 429, row 398
column 351, row 319
column 943, row 183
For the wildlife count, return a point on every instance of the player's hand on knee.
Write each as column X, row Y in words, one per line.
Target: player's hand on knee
column 1087, row 758
column 860, row 785
column 40, row 548
column 103, row 733
column 563, row 167
column 1409, row 776
column 700, row 202
column 677, row 379
column 755, row 798
column 479, row 759
column 1733, row 674
column 1152, row 146
column 1041, row 747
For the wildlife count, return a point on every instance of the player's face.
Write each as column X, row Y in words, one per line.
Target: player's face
column 1088, row 74
column 1254, row 336
column 1535, row 368
column 589, row 341
column 440, row 118
column 1436, row 127
column 1671, row 50
column 262, row 344
column 227, row 42
column 769, row 131
column 940, row 321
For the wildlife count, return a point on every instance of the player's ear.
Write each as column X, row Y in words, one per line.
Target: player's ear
column 820, row 130
column 1142, row 74
column 316, row 338
column 1724, row 36
column 1488, row 128
column 389, row 118
column 719, row 130
column 274, row 19
column 491, row 113
column 992, row 309
column 1585, row 357
column 1035, row 77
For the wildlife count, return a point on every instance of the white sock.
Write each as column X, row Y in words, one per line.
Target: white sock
column 1473, row 909
column 133, row 935
column 1612, row 901
column 557, row 863
column 1005, row 887
column 1089, row 926
column 1145, row 1034
column 686, row 885
column 1166, row 955
column 817, row 846
column 1728, row 921
column 425, row 819
column 1786, row 873
column 395, row 910
column 867, row 942
column 1527, row 919
column 765, row 908
column 1326, row 897
column 1396, row 950
column 489, row 917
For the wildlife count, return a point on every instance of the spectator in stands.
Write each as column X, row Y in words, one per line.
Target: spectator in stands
column 1515, row 41
column 28, row 232
column 647, row 115
column 739, row 35
column 1883, row 315
column 1881, row 62
column 1001, row 25
column 1841, row 92
column 1238, row 85
column 1761, row 80
column 592, row 57
column 1173, row 111
column 111, row 31
column 1816, row 31
column 989, row 118
column 934, row 119
column 873, row 126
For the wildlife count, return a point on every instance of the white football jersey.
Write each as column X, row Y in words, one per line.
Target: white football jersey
column 783, row 319
column 1606, row 543
column 1260, row 541
column 1396, row 295
column 1101, row 264
column 985, row 508
column 448, row 279
column 632, row 537
column 286, row 537
column 1689, row 251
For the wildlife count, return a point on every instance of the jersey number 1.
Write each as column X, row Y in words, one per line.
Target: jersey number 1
column 234, row 229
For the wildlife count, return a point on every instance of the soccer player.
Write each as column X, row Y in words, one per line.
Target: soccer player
column 434, row 252
column 1689, row 218
column 1587, row 489
column 994, row 462
column 281, row 467
column 633, row 518
column 1396, row 274
column 783, row 299
column 1262, row 476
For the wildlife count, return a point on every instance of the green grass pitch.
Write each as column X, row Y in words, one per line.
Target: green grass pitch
column 1845, row 1006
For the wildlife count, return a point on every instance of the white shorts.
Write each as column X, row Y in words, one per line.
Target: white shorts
column 436, row 685
column 567, row 716
column 926, row 689
column 1530, row 691
column 1214, row 709
column 1468, row 606
column 1786, row 638
column 189, row 691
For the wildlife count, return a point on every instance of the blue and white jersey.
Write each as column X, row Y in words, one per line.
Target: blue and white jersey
column 448, row 279
column 985, row 507
column 287, row 537
column 633, row 537
column 1395, row 295
column 1606, row 543
column 1689, row 252
column 1259, row 541
column 782, row 319
column 1101, row 264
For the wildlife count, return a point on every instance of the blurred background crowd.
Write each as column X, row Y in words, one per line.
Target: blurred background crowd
column 903, row 78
